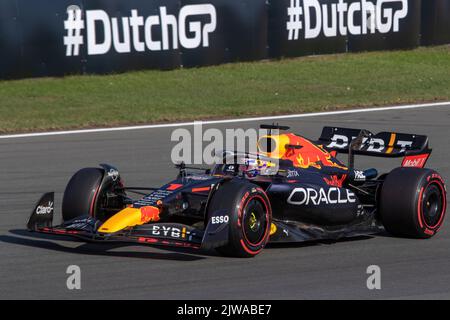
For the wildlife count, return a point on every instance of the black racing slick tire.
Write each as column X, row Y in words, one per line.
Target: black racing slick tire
column 413, row 202
column 250, row 217
column 81, row 193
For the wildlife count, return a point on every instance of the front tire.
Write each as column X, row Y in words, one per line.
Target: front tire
column 413, row 202
column 250, row 216
column 81, row 194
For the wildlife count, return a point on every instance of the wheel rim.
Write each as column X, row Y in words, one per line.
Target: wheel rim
column 254, row 222
column 432, row 205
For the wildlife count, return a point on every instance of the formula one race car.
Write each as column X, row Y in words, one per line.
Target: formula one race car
column 291, row 190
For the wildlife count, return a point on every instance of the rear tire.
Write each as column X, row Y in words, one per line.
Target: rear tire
column 81, row 193
column 413, row 202
column 250, row 217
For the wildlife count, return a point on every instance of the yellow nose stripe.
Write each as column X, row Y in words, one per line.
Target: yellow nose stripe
column 128, row 217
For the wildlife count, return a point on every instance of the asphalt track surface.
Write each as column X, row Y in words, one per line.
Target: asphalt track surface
column 33, row 266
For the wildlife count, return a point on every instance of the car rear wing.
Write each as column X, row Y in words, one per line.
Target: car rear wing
column 414, row 148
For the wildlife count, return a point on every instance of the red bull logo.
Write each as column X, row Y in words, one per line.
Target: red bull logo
column 149, row 213
column 307, row 155
column 335, row 181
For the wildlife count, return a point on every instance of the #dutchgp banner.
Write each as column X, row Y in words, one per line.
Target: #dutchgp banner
column 305, row 27
column 55, row 38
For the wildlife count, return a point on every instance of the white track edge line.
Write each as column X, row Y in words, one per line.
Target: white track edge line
column 191, row 123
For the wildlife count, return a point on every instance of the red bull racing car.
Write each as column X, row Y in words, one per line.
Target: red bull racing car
column 292, row 190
